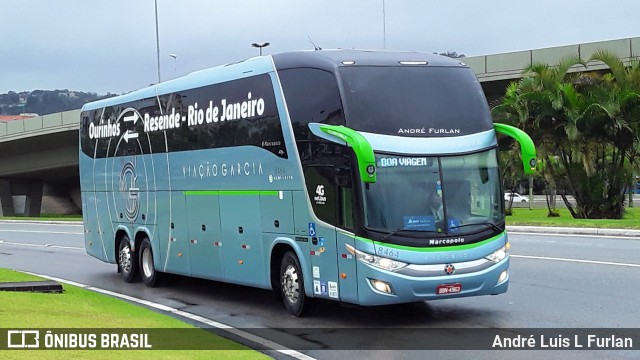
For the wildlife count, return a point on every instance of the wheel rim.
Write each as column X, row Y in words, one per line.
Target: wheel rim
column 147, row 263
column 125, row 259
column 290, row 288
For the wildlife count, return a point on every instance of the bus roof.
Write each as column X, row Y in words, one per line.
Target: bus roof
column 330, row 59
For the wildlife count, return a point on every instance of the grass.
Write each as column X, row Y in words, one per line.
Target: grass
column 538, row 217
column 49, row 217
column 78, row 308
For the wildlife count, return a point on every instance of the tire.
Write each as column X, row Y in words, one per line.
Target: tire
column 127, row 261
column 292, row 285
column 150, row 276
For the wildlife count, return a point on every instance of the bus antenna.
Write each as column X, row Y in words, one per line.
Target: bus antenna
column 315, row 47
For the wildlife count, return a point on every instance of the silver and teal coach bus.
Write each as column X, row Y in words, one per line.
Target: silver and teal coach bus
column 358, row 176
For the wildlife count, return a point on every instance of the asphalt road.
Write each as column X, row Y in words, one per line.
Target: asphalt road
column 557, row 281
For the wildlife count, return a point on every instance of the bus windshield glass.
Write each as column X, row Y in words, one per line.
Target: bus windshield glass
column 437, row 195
column 400, row 100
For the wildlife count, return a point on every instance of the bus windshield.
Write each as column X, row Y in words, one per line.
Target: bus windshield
column 400, row 100
column 442, row 195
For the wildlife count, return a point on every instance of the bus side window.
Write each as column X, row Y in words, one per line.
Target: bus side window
column 312, row 96
column 343, row 180
column 346, row 208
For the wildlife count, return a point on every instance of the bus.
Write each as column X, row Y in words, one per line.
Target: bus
column 364, row 177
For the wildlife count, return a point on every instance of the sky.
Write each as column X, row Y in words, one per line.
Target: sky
column 110, row 46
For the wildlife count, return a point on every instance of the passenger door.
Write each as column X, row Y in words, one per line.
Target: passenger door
column 331, row 196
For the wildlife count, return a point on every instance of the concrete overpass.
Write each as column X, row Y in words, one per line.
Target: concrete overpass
column 36, row 152
column 40, row 155
column 495, row 72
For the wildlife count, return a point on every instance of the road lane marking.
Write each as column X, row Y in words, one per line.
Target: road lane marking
column 228, row 328
column 513, row 232
column 41, row 245
column 576, row 260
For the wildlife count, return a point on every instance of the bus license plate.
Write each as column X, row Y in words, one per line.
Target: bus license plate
column 448, row 289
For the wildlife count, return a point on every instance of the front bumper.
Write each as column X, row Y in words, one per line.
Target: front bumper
column 414, row 287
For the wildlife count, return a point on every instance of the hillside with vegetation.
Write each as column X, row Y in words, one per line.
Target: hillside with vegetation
column 44, row 102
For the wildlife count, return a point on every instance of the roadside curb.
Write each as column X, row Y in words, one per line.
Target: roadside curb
column 575, row 231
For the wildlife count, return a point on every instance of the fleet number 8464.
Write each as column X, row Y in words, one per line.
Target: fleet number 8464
column 388, row 252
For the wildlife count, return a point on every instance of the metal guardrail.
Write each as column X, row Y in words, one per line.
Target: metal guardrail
column 39, row 125
column 510, row 65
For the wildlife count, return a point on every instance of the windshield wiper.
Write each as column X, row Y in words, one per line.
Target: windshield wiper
column 490, row 224
column 395, row 232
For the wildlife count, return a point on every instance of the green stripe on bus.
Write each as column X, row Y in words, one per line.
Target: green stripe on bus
column 435, row 249
column 231, row 192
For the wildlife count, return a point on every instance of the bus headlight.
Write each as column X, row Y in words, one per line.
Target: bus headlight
column 499, row 254
column 377, row 261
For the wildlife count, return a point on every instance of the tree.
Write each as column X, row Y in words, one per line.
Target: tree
column 535, row 102
column 585, row 126
column 620, row 110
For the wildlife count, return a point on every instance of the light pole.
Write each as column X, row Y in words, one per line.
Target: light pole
column 260, row 46
column 175, row 60
column 384, row 26
column 157, row 41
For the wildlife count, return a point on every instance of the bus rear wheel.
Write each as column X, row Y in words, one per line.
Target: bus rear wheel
column 150, row 276
column 127, row 261
column 292, row 285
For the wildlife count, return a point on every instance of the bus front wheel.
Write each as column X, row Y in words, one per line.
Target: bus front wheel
column 150, row 276
column 292, row 285
column 127, row 261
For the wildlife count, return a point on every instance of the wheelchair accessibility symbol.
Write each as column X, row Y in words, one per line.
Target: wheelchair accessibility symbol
column 312, row 229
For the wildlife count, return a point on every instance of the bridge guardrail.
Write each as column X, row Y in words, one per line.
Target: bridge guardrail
column 39, row 125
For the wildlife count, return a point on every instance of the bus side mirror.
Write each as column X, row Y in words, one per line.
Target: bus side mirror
column 527, row 148
column 361, row 147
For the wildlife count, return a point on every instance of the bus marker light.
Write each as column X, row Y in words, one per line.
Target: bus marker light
column 240, row 262
column 179, row 254
column 343, row 276
column 371, row 170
